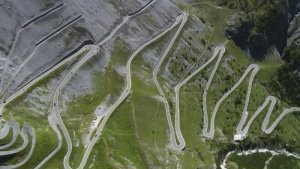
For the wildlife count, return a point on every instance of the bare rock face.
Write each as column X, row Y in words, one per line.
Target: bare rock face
column 292, row 51
column 294, row 30
column 258, row 30
column 294, row 8
column 36, row 35
column 287, row 81
column 239, row 28
column 16, row 13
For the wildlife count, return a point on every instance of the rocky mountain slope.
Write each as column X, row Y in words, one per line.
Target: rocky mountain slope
column 95, row 84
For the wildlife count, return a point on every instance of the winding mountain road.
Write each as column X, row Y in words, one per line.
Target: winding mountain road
column 208, row 128
column 55, row 103
column 221, row 51
column 24, row 135
column 31, row 83
column 174, row 135
column 5, row 130
column 56, row 119
column 33, row 143
column 124, row 93
column 53, row 124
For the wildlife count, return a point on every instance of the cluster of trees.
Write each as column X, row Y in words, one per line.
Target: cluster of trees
column 261, row 13
column 257, row 24
column 286, row 84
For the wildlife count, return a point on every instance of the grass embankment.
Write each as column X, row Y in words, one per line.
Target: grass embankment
column 258, row 160
column 253, row 161
column 283, row 162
